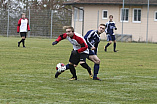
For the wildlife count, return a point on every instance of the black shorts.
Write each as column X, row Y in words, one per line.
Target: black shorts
column 23, row 34
column 75, row 59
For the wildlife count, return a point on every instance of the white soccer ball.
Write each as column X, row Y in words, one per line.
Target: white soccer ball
column 60, row 67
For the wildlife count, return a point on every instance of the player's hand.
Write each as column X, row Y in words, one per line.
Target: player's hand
column 74, row 52
column 54, row 43
column 93, row 48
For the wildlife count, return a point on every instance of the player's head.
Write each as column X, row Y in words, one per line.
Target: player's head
column 69, row 30
column 110, row 17
column 23, row 15
column 101, row 28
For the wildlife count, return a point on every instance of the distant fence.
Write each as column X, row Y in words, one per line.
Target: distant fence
column 43, row 23
column 124, row 37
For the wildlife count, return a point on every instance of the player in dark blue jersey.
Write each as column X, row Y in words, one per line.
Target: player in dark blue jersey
column 92, row 38
column 110, row 27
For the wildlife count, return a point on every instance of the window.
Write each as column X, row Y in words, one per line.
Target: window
column 75, row 14
column 137, row 15
column 104, row 14
column 155, row 16
column 81, row 14
column 124, row 14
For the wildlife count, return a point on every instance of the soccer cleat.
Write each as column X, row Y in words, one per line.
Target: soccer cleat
column 18, row 44
column 57, row 74
column 105, row 49
column 116, row 50
column 91, row 75
column 73, row 78
column 96, row 78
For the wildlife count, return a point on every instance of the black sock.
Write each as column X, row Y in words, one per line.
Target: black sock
column 114, row 46
column 23, row 42
column 85, row 65
column 72, row 70
column 107, row 45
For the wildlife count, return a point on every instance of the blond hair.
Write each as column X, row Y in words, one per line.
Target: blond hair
column 68, row 27
column 23, row 13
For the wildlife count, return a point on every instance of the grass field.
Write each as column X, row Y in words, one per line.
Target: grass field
column 27, row 74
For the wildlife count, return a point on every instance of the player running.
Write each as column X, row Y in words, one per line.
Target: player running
column 92, row 38
column 110, row 26
column 22, row 27
column 79, row 53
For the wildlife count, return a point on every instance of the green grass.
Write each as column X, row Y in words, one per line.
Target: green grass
column 27, row 74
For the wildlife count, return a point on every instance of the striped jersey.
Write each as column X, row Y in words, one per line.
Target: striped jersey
column 109, row 27
column 92, row 38
column 77, row 41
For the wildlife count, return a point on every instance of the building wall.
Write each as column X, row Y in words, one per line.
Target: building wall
column 137, row 30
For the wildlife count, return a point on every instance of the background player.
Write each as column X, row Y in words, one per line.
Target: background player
column 110, row 27
column 22, row 27
column 92, row 38
column 79, row 53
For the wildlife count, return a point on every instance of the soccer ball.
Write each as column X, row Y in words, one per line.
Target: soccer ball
column 60, row 67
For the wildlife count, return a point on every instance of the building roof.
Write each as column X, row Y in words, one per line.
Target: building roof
column 115, row 2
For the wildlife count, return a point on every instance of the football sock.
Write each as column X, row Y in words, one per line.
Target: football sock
column 67, row 67
column 85, row 65
column 107, row 45
column 23, row 42
column 96, row 69
column 114, row 45
column 72, row 70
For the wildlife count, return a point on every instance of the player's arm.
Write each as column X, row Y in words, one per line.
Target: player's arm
column 18, row 26
column 28, row 28
column 83, row 44
column 96, row 48
column 61, row 37
column 106, row 28
column 87, row 40
column 114, row 27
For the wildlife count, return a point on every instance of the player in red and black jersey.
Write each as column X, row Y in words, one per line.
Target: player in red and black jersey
column 79, row 53
column 22, row 27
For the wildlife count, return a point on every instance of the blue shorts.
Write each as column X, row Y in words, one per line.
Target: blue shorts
column 111, row 38
column 91, row 52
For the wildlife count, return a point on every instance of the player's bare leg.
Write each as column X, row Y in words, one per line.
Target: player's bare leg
column 96, row 61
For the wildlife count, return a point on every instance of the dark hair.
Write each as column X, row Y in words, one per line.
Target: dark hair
column 110, row 16
column 102, row 24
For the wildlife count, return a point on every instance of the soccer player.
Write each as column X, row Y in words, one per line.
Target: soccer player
column 79, row 53
column 22, row 27
column 92, row 38
column 110, row 27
